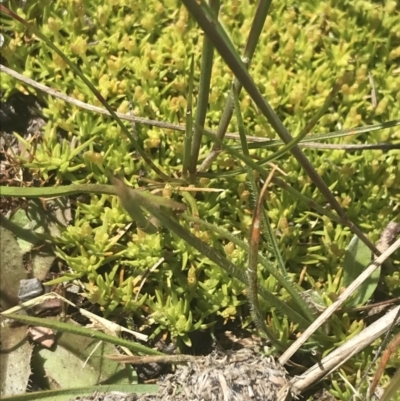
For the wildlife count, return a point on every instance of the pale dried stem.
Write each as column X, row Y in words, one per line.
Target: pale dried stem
column 108, row 326
column 338, row 303
column 340, row 355
column 142, row 360
column 166, row 125
column 86, row 106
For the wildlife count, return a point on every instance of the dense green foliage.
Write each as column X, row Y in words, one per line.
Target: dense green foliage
column 142, row 50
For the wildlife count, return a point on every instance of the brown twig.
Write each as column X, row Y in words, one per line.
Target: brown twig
column 392, row 347
column 255, row 234
column 141, row 360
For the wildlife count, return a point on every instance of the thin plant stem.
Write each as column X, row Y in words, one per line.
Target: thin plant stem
column 255, row 234
column 309, row 126
column 81, row 331
column 204, row 92
column 189, row 122
column 260, row 15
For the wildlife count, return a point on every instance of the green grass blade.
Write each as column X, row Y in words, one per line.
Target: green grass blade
column 275, row 247
column 240, row 123
column 82, row 331
column 254, row 242
column 255, row 32
column 62, row 190
column 78, row 393
column 288, row 147
column 99, row 189
column 330, row 135
column 133, row 202
column 204, row 91
column 189, row 122
column 132, row 207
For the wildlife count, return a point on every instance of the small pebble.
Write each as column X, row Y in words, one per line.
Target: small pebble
column 29, row 289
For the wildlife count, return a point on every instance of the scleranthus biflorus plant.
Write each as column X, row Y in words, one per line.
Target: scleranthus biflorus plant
column 214, row 251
